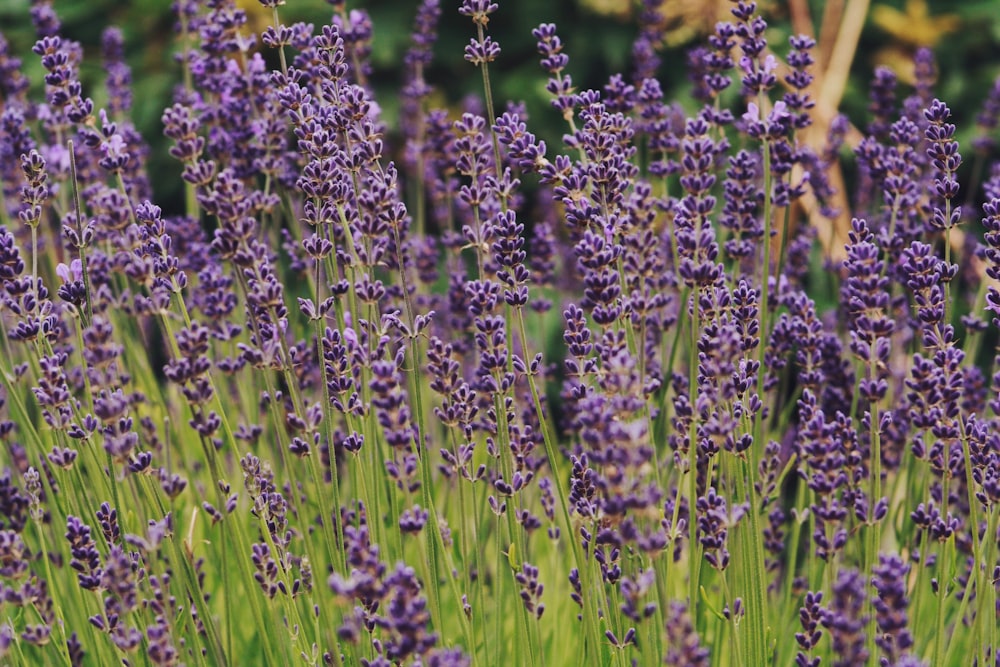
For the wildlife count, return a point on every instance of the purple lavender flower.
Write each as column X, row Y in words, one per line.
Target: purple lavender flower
column 758, row 74
column 13, row 83
column 509, row 253
column 63, row 88
column 826, row 455
column 695, row 238
column 924, row 73
column 800, row 59
column 107, row 518
column 945, row 159
column 119, row 75
column 646, row 44
column 531, row 589
column 882, row 102
column 740, row 205
column 413, row 520
column 868, row 302
column 44, row 18
column 120, row 440
column 633, row 591
column 6, row 638
column 391, row 406
column 406, row 618
column 684, row 648
column 14, row 555
column 268, row 573
column 86, row 560
column 483, row 49
column 889, row 581
column 845, row 619
column 416, row 89
column 810, row 618
column 554, row 61
column 596, row 258
column 161, row 645
column 714, row 522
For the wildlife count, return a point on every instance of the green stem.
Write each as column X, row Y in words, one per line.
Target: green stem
column 985, row 618
column 88, row 312
column 694, row 546
column 582, row 563
column 281, row 48
column 944, row 581
column 54, row 594
column 792, row 562
column 757, row 611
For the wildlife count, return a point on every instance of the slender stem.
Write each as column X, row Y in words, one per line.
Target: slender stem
column 944, row 581
column 235, row 528
column 281, row 47
column 488, row 94
column 55, row 595
column 694, row 549
column 88, row 312
column 582, row 562
column 985, row 618
column 874, row 527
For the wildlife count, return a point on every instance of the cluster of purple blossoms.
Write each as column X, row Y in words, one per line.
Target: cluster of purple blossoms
column 389, row 356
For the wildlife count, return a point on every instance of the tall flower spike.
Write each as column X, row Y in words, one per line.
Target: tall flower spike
column 645, row 60
column 945, row 159
column 119, row 75
column 882, row 102
column 800, row 59
column 63, row 88
column 413, row 117
column 554, row 61
column 866, row 299
column 482, row 49
column 845, row 619
column 15, row 140
column 758, row 74
column 889, row 579
column 810, row 617
column 13, row 83
column 531, row 589
column 684, row 648
column 478, row 10
column 697, row 248
column 44, row 18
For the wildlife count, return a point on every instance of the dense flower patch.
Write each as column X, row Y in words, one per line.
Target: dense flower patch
column 660, row 394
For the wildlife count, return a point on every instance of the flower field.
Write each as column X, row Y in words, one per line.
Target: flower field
column 710, row 380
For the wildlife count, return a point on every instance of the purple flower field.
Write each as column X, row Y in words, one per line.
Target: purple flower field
column 714, row 381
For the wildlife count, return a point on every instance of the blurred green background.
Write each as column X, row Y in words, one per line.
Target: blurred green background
column 597, row 33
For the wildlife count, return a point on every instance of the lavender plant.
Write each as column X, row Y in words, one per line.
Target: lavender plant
column 450, row 396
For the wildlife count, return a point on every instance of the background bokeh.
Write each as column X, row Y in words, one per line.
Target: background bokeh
column 598, row 35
